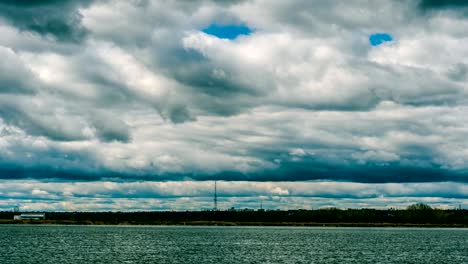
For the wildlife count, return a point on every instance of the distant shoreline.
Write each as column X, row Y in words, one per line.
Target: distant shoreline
column 225, row 223
column 423, row 217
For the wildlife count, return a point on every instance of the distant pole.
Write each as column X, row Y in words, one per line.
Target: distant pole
column 215, row 198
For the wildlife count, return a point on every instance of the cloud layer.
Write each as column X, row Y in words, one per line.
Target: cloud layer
column 137, row 91
column 196, row 195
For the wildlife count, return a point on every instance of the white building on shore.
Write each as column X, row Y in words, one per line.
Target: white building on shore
column 30, row 216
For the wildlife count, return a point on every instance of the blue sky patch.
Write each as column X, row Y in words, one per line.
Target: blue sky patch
column 227, row 31
column 379, row 38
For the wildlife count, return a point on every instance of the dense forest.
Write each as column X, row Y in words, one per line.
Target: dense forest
column 414, row 215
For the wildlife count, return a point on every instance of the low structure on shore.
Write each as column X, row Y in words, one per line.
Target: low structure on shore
column 30, row 216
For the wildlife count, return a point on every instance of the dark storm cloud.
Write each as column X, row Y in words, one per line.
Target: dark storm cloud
column 177, row 114
column 110, row 128
column 201, row 76
column 458, row 72
column 56, row 18
column 15, row 77
column 47, row 162
column 10, row 173
column 208, row 85
column 293, row 172
column 440, row 4
column 11, row 84
column 365, row 174
column 60, row 126
column 38, row 125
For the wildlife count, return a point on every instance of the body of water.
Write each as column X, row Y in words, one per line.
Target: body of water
column 24, row 244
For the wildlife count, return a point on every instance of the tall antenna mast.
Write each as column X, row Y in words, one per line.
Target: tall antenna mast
column 215, row 198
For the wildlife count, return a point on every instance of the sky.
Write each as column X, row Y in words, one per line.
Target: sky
column 140, row 105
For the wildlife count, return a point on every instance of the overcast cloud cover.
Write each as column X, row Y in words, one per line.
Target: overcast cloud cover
column 129, row 105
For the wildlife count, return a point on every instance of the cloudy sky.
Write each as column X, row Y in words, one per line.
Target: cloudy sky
column 140, row 105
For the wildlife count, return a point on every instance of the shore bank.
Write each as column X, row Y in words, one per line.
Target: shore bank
column 226, row 223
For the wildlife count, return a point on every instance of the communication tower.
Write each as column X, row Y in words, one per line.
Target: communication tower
column 215, row 200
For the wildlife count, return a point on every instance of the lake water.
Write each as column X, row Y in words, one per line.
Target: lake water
column 155, row 244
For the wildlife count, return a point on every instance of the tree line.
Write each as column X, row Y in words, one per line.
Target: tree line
column 418, row 214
